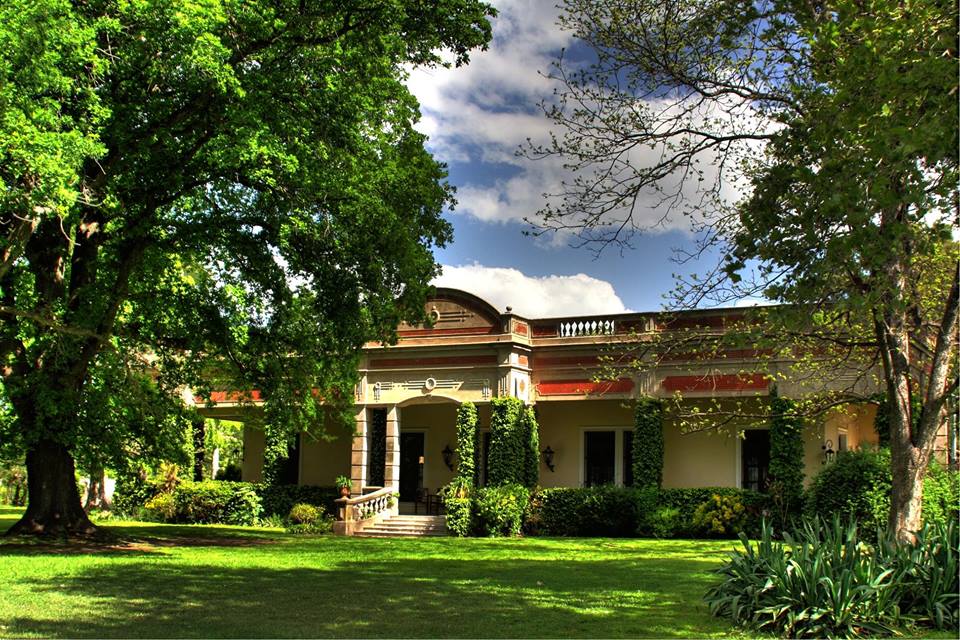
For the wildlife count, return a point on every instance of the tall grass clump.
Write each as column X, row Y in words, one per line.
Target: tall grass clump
column 825, row 581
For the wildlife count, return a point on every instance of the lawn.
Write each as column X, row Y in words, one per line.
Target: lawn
column 170, row 581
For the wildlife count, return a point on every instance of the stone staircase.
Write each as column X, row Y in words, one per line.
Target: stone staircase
column 406, row 526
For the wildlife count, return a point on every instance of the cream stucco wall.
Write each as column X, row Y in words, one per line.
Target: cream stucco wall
column 438, row 424
column 253, row 444
column 322, row 461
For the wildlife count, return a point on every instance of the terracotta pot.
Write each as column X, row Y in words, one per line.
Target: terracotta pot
column 345, row 492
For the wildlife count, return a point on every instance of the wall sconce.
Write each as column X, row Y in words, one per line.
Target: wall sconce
column 447, row 457
column 828, row 451
column 548, row 457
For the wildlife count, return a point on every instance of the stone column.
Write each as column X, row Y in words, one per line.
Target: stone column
column 358, row 457
column 391, row 475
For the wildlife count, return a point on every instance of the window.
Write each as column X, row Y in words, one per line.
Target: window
column 599, row 458
column 842, row 441
column 755, row 459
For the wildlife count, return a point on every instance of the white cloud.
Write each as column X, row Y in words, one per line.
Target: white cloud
column 485, row 112
column 534, row 297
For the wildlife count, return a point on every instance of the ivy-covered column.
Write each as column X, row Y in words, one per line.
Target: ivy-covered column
column 391, row 474
column 358, row 457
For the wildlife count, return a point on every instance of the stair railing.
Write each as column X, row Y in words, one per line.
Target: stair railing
column 355, row 513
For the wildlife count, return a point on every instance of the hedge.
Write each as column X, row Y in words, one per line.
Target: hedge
column 466, row 442
column 216, row 502
column 531, row 436
column 507, row 444
column 647, row 454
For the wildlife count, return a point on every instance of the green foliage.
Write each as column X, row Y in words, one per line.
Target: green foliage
column 500, row 510
column 531, row 434
column 786, row 452
column 13, row 484
column 304, row 513
column 688, row 500
column 647, row 454
column 280, row 499
column 230, row 472
column 132, row 491
column 467, row 419
column 342, row 482
column 720, row 516
column 857, row 484
column 665, row 522
column 216, row 502
column 160, row 508
column 240, row 181
column 941, row 495
column 508, row 446
column 459, row 517
column 825, row 581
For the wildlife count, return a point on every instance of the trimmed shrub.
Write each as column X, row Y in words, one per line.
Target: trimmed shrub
column 467, row 419
column 216, row 502
column 456, row 502
column 303, row 513
column 647, row 454
column 720, row 516
column 686, row 501
column 499, row 511
column 279, row 499
column 507, row 444
column 159, row 508
column 131, row 494
column 857, row 484
column 665, row 522
column 230, row 473
column 826, row 582
column 607, row 510
column 786, row 455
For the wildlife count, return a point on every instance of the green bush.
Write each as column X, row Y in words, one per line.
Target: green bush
column 941, row 495
column 665, row 522
column 303, row 513
column 826, row 582
column 217, row 502
column 720, row 516
column 499, row 511
column 530, row 432
column 786, row 455
column 279, row 499
column 159, row 508
column 647, row 454
column 686, row 501
column 466, row 441
column 588, row 511
column 856, row 484
column 231, row 473
column 507, row 444
column 131, row 493
column 456, row 498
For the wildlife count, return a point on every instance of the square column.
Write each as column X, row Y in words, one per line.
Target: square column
column 391, row 475
column 358, row 455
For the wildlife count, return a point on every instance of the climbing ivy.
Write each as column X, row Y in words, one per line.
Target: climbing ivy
column 648, row 443
column 786, row 451
column 507, row 443
column 466, row 442
column 531, row 434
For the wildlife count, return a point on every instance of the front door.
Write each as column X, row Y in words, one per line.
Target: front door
column 411, row 465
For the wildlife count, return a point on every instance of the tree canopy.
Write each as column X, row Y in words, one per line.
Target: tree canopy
column 205, row 193
column 837, row 124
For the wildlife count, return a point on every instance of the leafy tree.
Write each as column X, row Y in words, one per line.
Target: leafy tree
column 843, row 117
column 217, row 193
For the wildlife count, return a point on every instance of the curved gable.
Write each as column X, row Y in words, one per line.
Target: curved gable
column 455, row 312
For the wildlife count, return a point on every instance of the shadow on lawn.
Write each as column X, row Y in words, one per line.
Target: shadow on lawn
column 406, row 597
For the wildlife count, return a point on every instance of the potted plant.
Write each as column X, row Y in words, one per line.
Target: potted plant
column 343, row 483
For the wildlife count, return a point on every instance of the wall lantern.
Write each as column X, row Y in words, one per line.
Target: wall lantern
column 548, row 457
column 448, row 457
column 828, row 451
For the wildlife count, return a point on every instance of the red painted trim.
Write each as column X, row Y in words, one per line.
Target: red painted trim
column 458, row 331
column 704, row 322
column 229, row 396
column 583, row 387
column 726, row 353
column 545, row 332
column 732, row 382
column 389, row 363
column 521, row 329
column 524, row 361
column 581, row 361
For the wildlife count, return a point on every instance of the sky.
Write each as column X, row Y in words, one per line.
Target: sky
column 477, row 117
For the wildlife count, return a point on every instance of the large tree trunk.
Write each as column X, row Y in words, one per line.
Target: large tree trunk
column 909, row 467
column 53, row 500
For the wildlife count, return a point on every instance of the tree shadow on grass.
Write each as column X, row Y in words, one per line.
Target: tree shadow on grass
column 396, row 597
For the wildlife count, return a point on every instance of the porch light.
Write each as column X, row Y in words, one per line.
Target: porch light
column 828, row 451
column 548, row 457
column 448, row 457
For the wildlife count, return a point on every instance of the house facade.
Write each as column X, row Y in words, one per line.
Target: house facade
column 409, row 392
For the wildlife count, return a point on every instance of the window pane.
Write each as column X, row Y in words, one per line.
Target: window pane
column 599, row 450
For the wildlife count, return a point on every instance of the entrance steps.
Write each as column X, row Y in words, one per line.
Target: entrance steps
column 406, row 526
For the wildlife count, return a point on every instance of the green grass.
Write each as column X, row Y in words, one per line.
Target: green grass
column 173, row 581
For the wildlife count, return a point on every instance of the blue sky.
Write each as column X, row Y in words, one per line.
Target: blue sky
column 477, row 117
